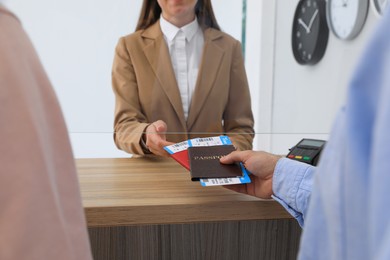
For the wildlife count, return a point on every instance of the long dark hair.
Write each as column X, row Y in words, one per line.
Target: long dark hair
column 151, row 11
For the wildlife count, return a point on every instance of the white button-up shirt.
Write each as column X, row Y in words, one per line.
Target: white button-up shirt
column 186, row 66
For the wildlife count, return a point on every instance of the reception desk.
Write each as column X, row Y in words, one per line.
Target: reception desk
column 148, row 208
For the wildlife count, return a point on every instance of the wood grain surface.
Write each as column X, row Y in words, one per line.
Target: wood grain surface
column 150, row 190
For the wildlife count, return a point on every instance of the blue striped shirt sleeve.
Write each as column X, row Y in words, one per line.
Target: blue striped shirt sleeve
column 292, row 184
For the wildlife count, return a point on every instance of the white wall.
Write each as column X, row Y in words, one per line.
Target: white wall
column 307, row 98
column 75, row 40
column 298, row 101
column 259, row 63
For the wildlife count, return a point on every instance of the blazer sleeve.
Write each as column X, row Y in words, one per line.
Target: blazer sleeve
column 129, row 120
column 238, row 117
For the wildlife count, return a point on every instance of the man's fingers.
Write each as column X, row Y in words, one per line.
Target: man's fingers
column 235, row 156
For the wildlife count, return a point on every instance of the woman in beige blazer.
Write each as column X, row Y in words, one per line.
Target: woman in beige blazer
column 150, row 112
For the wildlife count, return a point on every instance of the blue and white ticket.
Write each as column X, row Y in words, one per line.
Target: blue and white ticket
column 227, row 181
column 178, row 147
column 210, row 141
column 219, row 140
column 204, row 141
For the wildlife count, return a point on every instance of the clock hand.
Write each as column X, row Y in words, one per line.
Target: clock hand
column 301, row 22
column 312, row 19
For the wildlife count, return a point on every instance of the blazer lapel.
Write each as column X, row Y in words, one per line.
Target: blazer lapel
column 211, row 60
column 158, row 56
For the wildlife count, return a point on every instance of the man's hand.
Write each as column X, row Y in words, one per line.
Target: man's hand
column 261, row 165
column 156, row 139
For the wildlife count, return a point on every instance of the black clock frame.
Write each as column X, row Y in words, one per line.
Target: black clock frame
column 322, row 38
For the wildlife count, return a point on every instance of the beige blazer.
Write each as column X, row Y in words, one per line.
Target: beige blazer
column 41, row 216
column 146, row 90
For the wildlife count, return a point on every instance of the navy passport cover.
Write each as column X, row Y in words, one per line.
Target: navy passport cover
column 204, row 162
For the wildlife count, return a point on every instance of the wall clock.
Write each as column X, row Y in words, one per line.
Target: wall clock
column 346, row 17
column 310, row 32
column 380, row 6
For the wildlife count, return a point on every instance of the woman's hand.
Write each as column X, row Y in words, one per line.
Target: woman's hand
column 156, row 139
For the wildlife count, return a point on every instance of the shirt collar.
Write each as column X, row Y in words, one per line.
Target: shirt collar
column 170, row 30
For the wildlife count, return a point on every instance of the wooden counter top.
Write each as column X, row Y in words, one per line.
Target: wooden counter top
column 148, row 190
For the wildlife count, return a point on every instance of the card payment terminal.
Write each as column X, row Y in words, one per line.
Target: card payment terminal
column 307, row 151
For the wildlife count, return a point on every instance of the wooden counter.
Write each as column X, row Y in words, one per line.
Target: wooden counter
column 132, row 199
column 138, row 191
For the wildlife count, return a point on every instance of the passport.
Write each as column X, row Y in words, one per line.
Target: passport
column 179, row 152
column 204, row 162
column 182, row 158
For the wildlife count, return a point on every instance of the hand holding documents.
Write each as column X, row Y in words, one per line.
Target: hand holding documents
column 204, row 162
column 201, row 156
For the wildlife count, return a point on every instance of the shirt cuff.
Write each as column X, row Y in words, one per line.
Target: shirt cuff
column 292, row 184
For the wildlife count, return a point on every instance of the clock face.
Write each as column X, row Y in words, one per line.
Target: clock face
column 310, row 32
column 380, row 5
column 346, row 17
